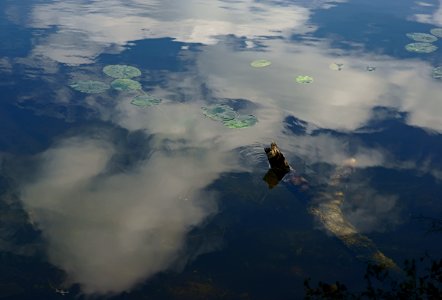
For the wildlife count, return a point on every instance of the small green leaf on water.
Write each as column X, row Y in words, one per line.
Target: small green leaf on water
column 145, row 100
column 124, row 84
column 370, row 68
column 121, row 71
column 421, row 47
column 304, row 79
column 260, row 63
column 89, row 86
column 336, row 66
column 422, row 37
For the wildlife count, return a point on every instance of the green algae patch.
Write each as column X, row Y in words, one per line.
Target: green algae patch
column 304, row 79
column 124, row 84
column 219, row 112
column 260, row 63
column 422, row 37
column 437, row 73
column 90, row 86
column 436, row 32
column 421, row 47
column 145, row 100
column 121, row 71
column 242, row 121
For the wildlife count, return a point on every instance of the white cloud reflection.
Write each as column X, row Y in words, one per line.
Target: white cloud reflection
column 434, row 18
column 110, row 231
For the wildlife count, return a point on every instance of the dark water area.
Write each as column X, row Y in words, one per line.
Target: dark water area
column 144, row 180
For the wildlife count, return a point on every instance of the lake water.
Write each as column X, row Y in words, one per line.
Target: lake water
column 156, row 197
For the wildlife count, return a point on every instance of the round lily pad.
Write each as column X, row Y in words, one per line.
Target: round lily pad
column 436, row 32
column 89, row 86
column 336, row 66
column 370, row 68
column 121, row 71
column 437, row 73
column 145, row 100
column 124, row 84
column 219, row 112
column 242, row 121
column 421, row 47
column 260, row 63
column 422, row 37
column 304, row 79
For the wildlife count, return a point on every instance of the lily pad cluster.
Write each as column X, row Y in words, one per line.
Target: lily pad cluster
column 122, row 82
column 423, row 41
column 228, row 116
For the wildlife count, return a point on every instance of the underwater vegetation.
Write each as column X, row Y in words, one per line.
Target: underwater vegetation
column 228, row 116
column 260, row 63
column 89, row 86
column 304, row 79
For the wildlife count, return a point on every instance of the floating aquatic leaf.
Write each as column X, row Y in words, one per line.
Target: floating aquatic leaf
column 304, row 79
column 219, row 112
column 145, row 100
column 437, row 32
column 437, row 73
column 260, row 63
column 422, row 37
column 421, row 47
column 370, row 68
column 242, row 121
column 89, row 86
column 124, row 84
column 121, row 71
column 336, row 66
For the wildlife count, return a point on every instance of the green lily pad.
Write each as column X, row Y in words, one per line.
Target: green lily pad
column 421, row 47
column 370, row 68
column 260, row 63
column 121, row 71
column 219, row 112
column 436, row 32
column 336, row 66
column 422, row 37
column 145, row 100
column 124, row 84
column 90, row 86
column 437, row 73
column 242, row 121
column 304, row 79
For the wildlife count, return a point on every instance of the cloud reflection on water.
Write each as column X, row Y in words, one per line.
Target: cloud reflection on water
column 110, row 231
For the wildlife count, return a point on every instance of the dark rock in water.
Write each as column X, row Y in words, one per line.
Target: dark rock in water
column 276, row 158
column 279, row 166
